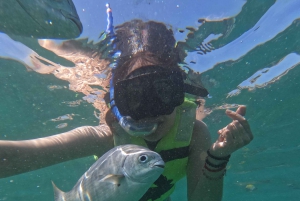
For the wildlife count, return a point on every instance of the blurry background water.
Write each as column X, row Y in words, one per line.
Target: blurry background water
column 247, row 52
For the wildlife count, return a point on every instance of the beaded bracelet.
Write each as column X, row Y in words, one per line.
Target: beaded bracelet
column 218, row 158
column 222, row 165
column 213, row 178
column 219, row 167
column 213, row 170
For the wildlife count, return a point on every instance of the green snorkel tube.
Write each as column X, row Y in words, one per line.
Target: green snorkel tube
column 131, row 126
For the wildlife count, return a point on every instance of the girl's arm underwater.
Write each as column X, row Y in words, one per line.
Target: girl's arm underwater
column 17, row 157
column 205, row 173
column 199, row 187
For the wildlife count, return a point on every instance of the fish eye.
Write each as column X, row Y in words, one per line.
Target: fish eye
column 143, row 158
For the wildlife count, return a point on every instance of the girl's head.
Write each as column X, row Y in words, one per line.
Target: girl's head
column 147, row 81
column 146, row 47
column 144, row 44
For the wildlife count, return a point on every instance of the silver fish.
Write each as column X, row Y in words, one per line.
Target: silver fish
column 40, row 18
column 124, row 173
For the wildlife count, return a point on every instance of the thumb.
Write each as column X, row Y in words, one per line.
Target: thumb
column 241, row 110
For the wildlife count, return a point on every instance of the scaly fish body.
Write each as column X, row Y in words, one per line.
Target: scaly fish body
column 124, row 173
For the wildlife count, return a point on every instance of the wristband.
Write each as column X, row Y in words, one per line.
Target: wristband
column 222, row 165
column 213, row 178
column 218, row 158
column 216, row 170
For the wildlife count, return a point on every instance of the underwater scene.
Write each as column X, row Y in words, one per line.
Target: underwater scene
column 55, row 71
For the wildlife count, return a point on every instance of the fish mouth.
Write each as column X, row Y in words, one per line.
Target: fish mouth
column 74, row 19
column 160, row 164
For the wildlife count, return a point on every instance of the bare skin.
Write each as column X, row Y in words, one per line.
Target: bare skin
column 167, row 122
column 85, row 141
column 17, row 157
column 235, row 135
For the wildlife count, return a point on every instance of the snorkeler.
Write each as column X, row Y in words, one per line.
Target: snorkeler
column 148, row 107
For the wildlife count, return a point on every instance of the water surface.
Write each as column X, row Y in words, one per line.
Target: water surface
column 247, row 52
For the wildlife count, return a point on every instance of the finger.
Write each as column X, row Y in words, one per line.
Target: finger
column 233, row 130
column 240, row 118
column 228, row 137
column 234, row 115
column 220, row 131
column 230, row 127
column 221, row 135
column 241, row 110
column 239, row 135
column 236, row 143
column 225, row 137
column 240, row 129
column 242, row 133
column 247, row 128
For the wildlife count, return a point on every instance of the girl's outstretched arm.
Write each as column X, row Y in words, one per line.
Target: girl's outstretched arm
column 17, row 157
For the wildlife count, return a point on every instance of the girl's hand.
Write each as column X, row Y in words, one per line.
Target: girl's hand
column 235, row 135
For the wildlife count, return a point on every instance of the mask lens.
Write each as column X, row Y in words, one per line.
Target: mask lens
column 163, row 89
column 149, row 95
column 134, row 94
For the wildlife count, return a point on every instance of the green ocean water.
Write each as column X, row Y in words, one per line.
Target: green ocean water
column 266, row 169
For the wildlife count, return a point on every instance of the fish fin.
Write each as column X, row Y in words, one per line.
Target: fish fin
column 58, row 194
column 114, row 179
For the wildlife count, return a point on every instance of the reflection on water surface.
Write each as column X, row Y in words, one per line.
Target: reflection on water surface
column 247, row 52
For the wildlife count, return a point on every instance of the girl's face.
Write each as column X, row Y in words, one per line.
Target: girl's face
column 165, row 123
column 144, row 95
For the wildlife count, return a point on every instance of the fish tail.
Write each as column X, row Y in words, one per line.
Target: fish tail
column 58, row 194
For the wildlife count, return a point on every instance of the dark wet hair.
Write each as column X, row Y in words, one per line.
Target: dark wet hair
column 144, row 43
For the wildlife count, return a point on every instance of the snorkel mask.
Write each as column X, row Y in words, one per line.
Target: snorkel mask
column 147, row 92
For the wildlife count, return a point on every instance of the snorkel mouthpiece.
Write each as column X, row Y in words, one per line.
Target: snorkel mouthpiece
column 131, row 126
column 137, row 128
